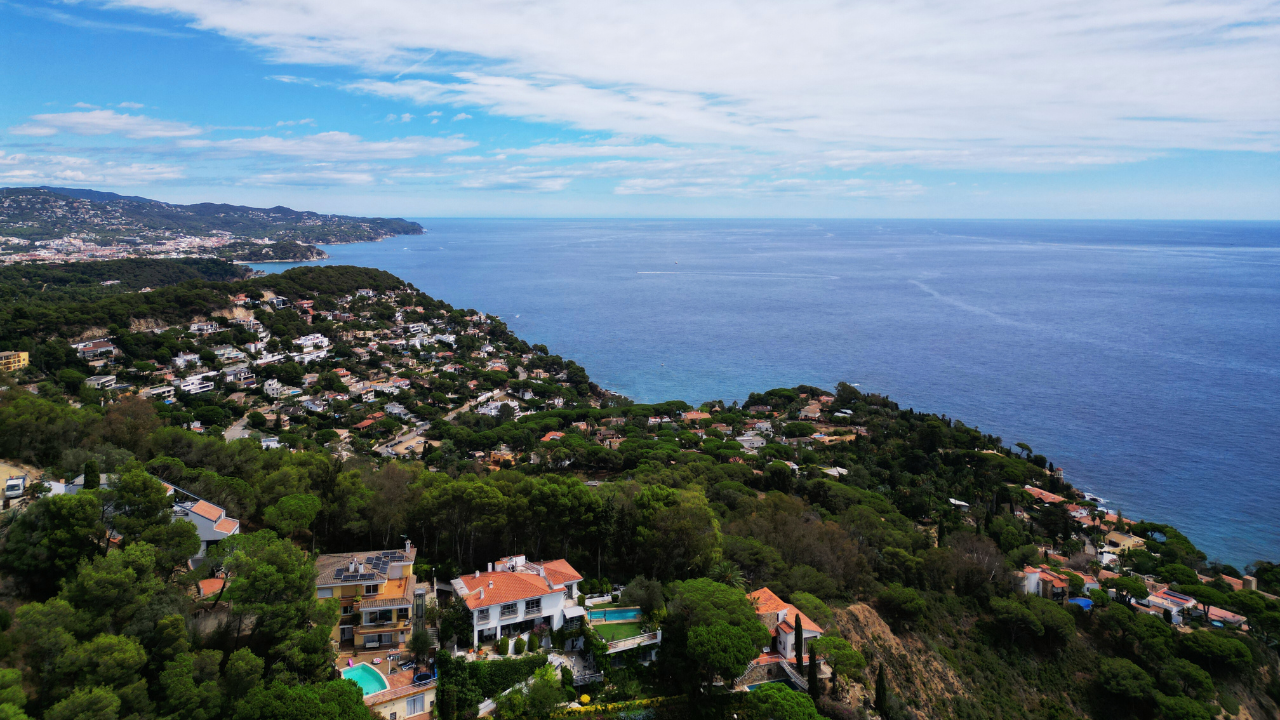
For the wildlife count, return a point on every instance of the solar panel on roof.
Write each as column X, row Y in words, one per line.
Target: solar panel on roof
column 349, row 577
column 368, row 576
column 337, row 572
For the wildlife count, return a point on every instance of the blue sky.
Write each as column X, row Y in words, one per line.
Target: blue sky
column 573, row 108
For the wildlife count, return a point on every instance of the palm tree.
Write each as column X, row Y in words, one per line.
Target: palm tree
column 727, row 573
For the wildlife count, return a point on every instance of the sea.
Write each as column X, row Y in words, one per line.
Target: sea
column 1141, row 357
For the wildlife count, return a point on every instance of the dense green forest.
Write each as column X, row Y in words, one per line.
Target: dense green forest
column 858, row 532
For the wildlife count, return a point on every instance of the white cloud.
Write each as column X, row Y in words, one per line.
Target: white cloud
column 131, row 105
column 290, row 123
column 105, row 122
column 462, row 116
column 333, row 147
column 522, row 179
column 318, row 178
column 1038, row 83
column 434, row 113
column 85, row 106
column 23, row 169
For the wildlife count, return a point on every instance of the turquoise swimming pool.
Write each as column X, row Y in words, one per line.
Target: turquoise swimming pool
column 367, row 677
column 615, row 614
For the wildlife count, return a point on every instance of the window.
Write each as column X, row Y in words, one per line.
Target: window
column 508, row 610
column 348, row 609
column 324, row 593
column 415, row 705
column 371, row 589
column 533, row 607
column 482, row 616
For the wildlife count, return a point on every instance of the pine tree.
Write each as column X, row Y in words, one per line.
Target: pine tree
column 92, row 476
column 882, row 691
column 813, row 674
column 799, row 648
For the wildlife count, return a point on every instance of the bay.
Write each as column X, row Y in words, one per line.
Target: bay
column 1143, row 357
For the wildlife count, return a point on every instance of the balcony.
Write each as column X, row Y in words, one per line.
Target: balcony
column 383, row 627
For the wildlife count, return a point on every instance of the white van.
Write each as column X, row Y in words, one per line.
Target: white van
column 14, row 486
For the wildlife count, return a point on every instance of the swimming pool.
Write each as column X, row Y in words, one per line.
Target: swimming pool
column 367, row 677
column 615, row 614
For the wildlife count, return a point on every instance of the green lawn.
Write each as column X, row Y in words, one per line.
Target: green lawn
column 617, row 631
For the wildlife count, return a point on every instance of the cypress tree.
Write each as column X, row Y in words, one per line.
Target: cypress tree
column 813, row 674
column 799, row 648
column 92, row 476
column 882, row 692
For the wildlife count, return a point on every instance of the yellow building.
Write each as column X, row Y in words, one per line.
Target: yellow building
column 11, row 361
column 1118, row 541
column 376, row 592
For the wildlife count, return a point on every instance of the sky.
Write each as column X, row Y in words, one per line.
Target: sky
column 653, row 108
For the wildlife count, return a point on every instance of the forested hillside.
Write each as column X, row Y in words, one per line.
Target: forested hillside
column 907, row 537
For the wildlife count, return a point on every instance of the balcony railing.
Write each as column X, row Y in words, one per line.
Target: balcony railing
column 635, row 641
column 509, row 613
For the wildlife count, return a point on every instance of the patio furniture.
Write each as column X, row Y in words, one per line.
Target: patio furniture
column 377, row 661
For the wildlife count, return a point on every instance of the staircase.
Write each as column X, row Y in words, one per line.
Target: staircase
column 434, row 634
column 787, row 666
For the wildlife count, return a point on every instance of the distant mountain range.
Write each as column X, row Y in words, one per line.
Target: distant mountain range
column 45, row 213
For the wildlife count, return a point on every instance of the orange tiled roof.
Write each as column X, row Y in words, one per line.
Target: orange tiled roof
column 206, row 510
column 766, row 602
column 227, row 525
column 210, row 586
column 553, row 435
column 507, row 587
column 560, row 572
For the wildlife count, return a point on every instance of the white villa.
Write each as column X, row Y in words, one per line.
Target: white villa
column 517, row 595
column 780, row 617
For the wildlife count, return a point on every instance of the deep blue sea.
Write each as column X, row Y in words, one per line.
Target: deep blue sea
column 1143, row 357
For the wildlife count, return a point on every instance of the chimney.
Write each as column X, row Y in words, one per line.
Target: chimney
column 361, row 566
column 477, row 573
column 351, row 565
column 408, row 547
column 490, row 584
column 481, row 593
column 490, row 567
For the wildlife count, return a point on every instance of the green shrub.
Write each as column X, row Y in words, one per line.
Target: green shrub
column 504, row 646
column 519, row 648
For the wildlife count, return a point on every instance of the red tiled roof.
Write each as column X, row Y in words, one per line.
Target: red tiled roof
column 507, row 587
column 208, row 511
column 227, row 525
column 553, row 435
column 210, row 586
column 766, row 602
column 560, row 572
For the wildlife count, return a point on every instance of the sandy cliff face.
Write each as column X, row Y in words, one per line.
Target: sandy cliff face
column 912, row 669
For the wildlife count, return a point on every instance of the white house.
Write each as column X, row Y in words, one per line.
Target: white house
column 312, row 340
column 99, row 382
column 517, row 595
column 750, row 440
column 276, row 389
column 780, row 618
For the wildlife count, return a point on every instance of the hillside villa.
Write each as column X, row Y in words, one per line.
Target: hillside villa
column 516, row 595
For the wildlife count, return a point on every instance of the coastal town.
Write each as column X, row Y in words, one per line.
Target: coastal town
column 472, row 527
column 40, row 225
